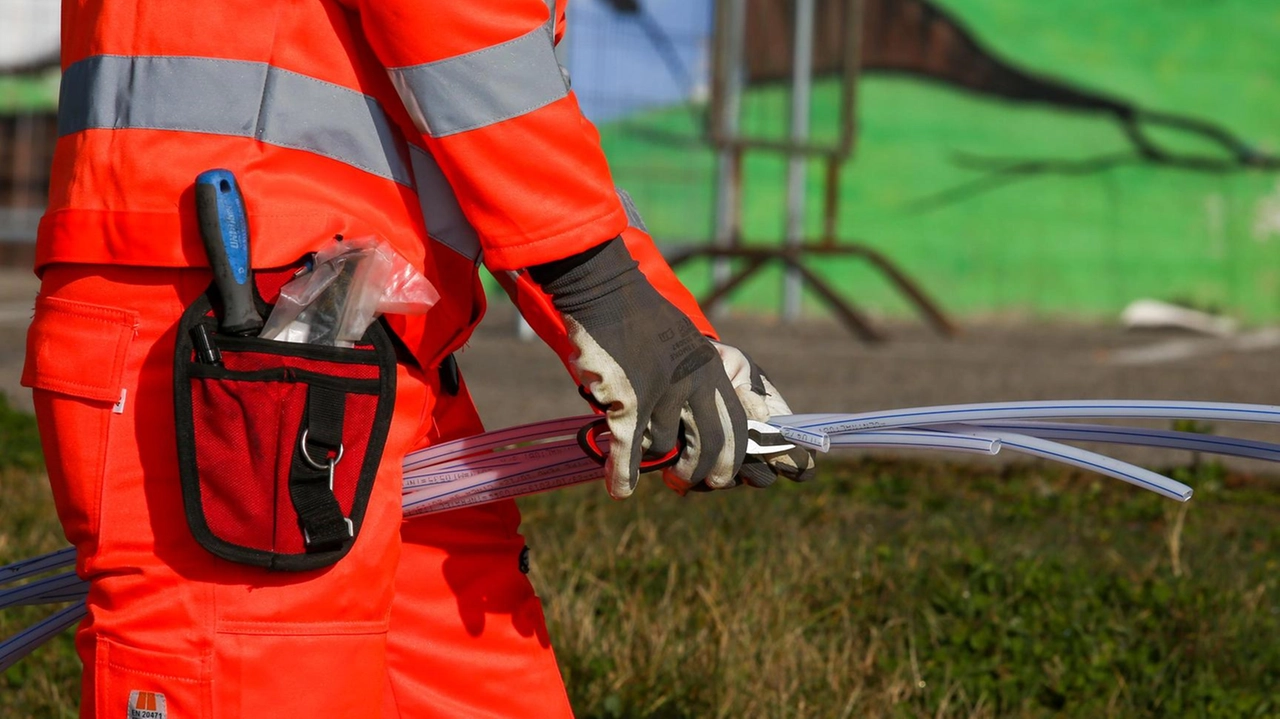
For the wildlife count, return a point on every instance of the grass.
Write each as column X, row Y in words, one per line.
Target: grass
column 46, row 684
column 902, row 589
column 886, row 588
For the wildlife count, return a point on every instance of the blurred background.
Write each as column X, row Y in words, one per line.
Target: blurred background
column 890, row 203
column 994, row 161
column 991, row 158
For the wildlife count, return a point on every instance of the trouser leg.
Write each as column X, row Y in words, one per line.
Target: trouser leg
column 168, row 620
column 468, row 637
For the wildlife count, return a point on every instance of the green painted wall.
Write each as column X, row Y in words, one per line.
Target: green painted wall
column 1080, row 245
column 29, row 93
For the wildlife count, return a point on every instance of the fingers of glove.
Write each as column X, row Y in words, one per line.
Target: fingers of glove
column 759, row 397
column 664, row 425
column 737, row 365
column 680, row 476
column 716, row 438
column 757, row 472
column 626, row 446
column 682, row 488
column 773, row 402
column 796, row 464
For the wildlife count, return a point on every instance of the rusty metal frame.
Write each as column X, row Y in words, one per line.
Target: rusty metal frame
column 757, row 258
column 726, row 62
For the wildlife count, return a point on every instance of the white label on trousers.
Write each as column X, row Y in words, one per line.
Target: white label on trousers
column 147, row 705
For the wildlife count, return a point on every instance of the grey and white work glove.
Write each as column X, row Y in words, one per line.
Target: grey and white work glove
column 762, row 401
column 649, row 366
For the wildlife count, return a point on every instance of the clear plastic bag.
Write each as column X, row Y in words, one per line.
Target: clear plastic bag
column 350, row 284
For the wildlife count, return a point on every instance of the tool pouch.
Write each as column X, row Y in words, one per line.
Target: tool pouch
column 278, row 442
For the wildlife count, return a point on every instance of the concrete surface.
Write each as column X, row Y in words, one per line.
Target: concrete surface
column 821, row 368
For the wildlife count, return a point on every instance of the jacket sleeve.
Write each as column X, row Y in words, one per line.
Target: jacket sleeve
column 482, row 84
column 535, row 305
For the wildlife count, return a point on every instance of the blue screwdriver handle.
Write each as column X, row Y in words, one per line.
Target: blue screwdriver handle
column 224, row 228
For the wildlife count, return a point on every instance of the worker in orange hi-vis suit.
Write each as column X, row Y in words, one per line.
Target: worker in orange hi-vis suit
column 449, row 130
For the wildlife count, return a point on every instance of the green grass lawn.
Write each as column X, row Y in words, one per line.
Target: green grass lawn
column 885, row 588
column 1080, row 245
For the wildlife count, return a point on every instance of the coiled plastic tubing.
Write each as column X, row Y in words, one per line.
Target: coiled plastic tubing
column 544, row 456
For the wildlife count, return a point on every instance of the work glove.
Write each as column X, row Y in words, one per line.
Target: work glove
column 645, row 363
column 762, row 401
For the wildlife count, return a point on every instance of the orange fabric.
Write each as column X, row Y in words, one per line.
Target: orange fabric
column 536, row 187
column 222, row 640
column 477, row 647
column 435, row 612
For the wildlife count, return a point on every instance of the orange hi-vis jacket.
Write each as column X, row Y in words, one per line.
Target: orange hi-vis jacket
column 448, row 128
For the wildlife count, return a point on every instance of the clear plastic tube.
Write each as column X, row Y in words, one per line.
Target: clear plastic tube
column 513, row 487
column 414, row 500
column 921, row 439
column 816, row 440
column 534, row 432
column 1093, row 461
column 833, row 424
column 24, row 568
column 23, row 643
column 1142, row 437
column 37, row 592
column 74, row 593
column 460, row 473
column 467, row 467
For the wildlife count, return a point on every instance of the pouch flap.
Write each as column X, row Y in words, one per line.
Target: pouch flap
column 77, row 348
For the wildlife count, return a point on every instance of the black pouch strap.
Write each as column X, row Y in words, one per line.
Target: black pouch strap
column 310, row 478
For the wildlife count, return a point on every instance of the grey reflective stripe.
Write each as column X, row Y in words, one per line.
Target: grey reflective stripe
column 232, row 97
column 440, row 209
column 629, row 205
column 481, row 88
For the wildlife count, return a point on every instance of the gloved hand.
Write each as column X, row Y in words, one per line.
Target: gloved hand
column 762, row 401
column 647, row 363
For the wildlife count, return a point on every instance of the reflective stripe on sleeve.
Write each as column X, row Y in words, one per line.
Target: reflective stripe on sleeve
column 232, row 97
column 484, row 87
column 440, row 209
column 629, row 206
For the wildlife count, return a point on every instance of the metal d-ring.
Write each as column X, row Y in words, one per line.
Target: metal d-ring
column 306, row 456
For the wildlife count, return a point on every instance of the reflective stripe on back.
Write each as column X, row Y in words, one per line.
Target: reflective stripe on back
column 481, row 88
column 232, row 97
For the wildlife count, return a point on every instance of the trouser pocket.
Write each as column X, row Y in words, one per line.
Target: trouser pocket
column 278, row 443
column 140, row 684
column 75, row 365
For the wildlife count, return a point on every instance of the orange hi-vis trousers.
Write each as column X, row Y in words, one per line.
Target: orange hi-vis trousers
column 426, row 618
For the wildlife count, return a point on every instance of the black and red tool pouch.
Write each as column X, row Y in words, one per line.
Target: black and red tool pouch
column 278, row 442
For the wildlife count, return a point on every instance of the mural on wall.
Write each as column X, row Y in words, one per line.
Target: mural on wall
column 1057, row 158
column 918, row 38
